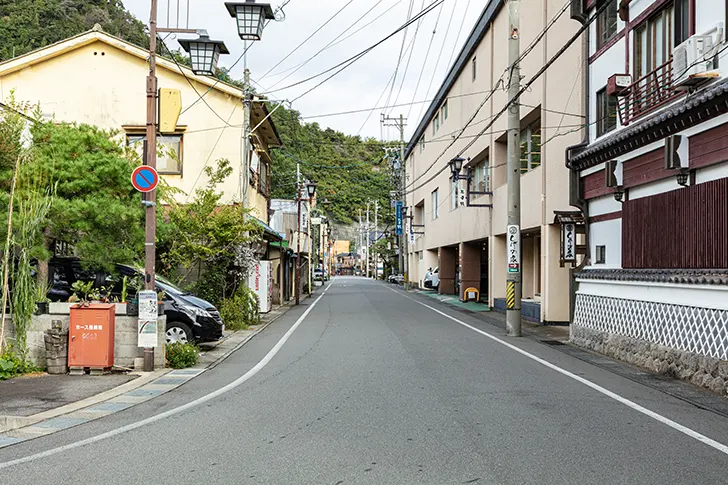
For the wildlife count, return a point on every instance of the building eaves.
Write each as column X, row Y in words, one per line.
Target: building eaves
column 675, row 276
column 704, row 104
column 482, row 26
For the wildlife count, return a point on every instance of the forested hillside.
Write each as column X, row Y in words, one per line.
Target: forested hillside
column 350, row 171
column 26, row 25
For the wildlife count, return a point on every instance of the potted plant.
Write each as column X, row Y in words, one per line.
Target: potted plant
column 134, row 284
column 41, row 298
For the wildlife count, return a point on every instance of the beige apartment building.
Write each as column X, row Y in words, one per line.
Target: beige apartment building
column 468, row 243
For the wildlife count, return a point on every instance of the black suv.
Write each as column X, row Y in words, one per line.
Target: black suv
column 189, row 318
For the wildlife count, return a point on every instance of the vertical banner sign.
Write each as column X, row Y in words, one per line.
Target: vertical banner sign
column 569, row 242
column 399, row 218
column 461, row 194
column 148, row 315
column 514, row 249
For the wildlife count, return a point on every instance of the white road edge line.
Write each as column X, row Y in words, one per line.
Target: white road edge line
column 158, row 417
column 658, row 417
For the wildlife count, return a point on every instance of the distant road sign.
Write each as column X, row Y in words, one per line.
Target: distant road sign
column 144, row 179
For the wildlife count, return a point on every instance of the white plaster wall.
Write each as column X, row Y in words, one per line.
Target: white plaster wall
column 603, row 205
column 654, row 188
column 711, row 173
column 609, row 234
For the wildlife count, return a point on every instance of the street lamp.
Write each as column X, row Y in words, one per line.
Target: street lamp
column 311, row 189
column 204, row 53
column 251, row 17
column 456, row 165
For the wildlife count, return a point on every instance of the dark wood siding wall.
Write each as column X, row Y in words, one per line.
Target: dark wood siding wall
column 680, row 229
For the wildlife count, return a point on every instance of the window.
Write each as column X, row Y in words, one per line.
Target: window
column 607, row 22
column 435, row 204
column 263, row 186
column 654, row 41
column 169, row 153
column 531, row 147
column 444, row 111
column 475, row 68
column 420, row 255
column 436, row 123
column 480, row 182
column 606, row 112
column 682, row 21
column 422, row 144
column 454, row 195
column 601, row 256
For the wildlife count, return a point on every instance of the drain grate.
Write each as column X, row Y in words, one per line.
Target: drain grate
column 553, row 342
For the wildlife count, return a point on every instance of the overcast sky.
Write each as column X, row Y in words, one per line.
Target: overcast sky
column 359, row 86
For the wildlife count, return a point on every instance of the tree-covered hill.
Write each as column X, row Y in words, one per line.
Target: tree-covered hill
column 350, row 171
column 26, row 25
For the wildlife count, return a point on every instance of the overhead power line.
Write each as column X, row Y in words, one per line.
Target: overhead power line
column 523, row 89
column 308, row 38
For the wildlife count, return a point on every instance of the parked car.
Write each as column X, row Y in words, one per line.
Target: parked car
column 395, row 278
column 432, row 279
column 189, row 318
column 318, row 274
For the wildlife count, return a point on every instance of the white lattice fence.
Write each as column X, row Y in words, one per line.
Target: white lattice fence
column 692, row 329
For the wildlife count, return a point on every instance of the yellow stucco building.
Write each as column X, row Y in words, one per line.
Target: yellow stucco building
column 99, row 79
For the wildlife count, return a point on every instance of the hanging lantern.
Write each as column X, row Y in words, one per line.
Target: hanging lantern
column 251, row 17
column 204, row 53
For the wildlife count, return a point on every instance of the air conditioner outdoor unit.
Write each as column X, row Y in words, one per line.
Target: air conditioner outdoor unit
column 694, row 56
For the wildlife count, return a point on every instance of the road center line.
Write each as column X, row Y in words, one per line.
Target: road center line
column 658, row 417
column 158, row 417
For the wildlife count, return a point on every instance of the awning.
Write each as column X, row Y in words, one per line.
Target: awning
column 268, row 233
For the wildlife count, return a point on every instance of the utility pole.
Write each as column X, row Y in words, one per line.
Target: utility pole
column 359, row 245
column 376, row 238
column 368, row 236
column 298, row 235
column 404, row 238
column 150, row 198
column 513, row 244
column 245, row 162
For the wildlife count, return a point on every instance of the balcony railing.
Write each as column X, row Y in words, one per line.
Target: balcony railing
column 647, row 93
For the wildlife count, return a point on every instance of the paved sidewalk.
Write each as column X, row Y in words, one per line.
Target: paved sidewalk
column 68, row 401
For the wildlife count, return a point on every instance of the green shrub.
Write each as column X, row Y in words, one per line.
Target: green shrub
column 241, row 310
column 182, row 355
column 12, row 365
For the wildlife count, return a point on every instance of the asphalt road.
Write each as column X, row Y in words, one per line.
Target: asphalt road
column 373, row 387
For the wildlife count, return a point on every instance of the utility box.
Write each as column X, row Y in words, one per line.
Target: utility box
column 91, row 338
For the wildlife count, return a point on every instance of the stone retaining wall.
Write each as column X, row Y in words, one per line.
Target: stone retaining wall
column 125, row 336
column 701, row 370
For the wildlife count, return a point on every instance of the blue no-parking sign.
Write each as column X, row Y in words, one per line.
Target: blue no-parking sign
column 144, row 178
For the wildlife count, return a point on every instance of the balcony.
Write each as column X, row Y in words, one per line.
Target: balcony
column 647, row 93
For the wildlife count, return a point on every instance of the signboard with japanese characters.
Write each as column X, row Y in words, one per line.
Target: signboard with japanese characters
column 399, row 218
column 462, row 195
column 569, row 242
column 148, row 315
column 513, row 249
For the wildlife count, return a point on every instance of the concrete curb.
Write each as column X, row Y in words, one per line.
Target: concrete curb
column 16, row 429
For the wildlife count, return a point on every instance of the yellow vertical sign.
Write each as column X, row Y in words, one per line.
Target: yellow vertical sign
column 170, row 108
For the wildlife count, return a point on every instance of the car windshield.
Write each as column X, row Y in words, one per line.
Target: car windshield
column 170, row 287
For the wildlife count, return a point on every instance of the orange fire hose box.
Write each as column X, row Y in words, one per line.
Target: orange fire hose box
column 91, row 336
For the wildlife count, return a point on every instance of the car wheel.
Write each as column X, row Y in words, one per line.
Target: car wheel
column 179, row 332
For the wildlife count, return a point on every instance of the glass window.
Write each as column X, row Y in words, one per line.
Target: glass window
column 607, row 23
column 606, row 112
column 422, row 144
column 475, row 68
column 435, row 204
column 444, row 111
column 601, row 256
column 655, row 39
column 436, row 123
column 531, row 147
column 480, row 182
column 682, row 21
column 169, row 152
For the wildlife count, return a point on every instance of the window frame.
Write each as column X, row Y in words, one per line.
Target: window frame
column 600, row 254
column 647, row 38
column 481, row 174
column 604, row 115
column 422, row 143
column 529, row 131
column 436, row 123
column 474, row 65
column 142, row 137
column 435, row 200
column 444, row 111
column 602, row 25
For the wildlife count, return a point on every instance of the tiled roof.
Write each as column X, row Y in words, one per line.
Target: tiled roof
column 673, row 119
column 677, row 276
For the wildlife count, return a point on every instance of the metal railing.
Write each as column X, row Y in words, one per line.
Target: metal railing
column 647, row 93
